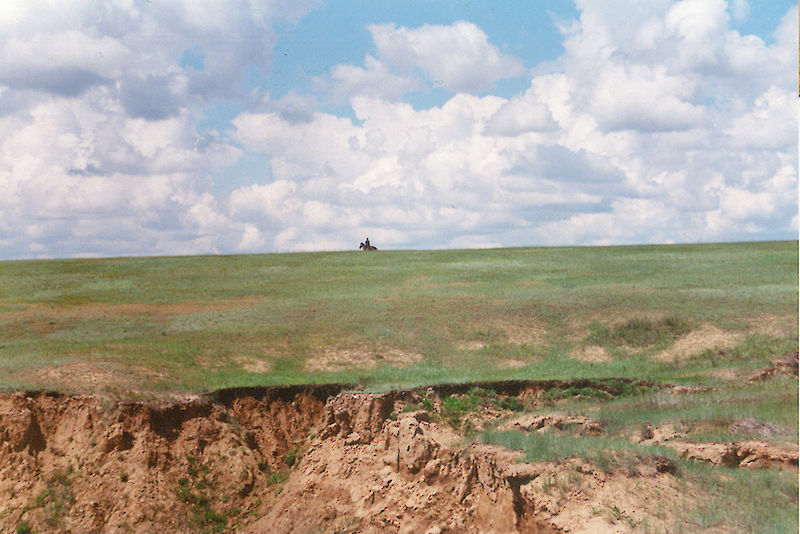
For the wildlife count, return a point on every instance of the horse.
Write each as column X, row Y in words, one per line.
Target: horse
column 362, row 246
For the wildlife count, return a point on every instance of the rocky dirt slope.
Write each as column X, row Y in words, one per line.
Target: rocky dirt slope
column 302, row 459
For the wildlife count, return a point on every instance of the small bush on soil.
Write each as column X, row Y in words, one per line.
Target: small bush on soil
column 510, row 403
column 277, row 478
column 24, row 528
column 290, row 458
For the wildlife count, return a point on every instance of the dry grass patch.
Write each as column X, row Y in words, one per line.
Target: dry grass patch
column 253, row 365
column 90, row 376
column 470, row 345
column 522, row 333
column 499, row 331
column 46, row 312
column 706, row 338
column 774, row 325
column 337, row 359
column 591, row 353
column 511, row 363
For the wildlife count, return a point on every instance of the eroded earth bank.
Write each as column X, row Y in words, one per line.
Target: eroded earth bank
column 327, row 459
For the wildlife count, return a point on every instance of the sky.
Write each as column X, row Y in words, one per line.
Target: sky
column 170, row 127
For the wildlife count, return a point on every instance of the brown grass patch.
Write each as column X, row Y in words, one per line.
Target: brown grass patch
column 706, row 338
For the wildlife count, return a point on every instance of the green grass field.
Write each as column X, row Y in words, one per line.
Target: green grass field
column 149, row 326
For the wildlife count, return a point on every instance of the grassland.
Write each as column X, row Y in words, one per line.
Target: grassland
column 706, row 316
column 141, row 326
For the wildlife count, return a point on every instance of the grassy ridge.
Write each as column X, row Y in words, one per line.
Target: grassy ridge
column 391, row 318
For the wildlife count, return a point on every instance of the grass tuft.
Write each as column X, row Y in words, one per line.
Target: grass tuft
column 639, row 332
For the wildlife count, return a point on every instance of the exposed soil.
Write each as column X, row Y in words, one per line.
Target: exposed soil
column 744, row 453
column 559, row 421
column 310, row 459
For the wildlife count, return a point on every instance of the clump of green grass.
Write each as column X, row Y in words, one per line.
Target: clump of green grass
column 639, row 332
column 456, row 407
column 729, row 504
column 192, row 491
column 602, row 390
column 712, row 411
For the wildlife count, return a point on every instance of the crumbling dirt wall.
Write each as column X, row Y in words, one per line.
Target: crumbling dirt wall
column 254, row 459
column 75, row 464
column 306, row 459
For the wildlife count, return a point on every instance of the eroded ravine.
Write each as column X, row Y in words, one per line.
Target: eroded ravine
column 280, row 459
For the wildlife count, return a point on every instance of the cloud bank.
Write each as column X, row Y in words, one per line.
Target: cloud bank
column 662, row 124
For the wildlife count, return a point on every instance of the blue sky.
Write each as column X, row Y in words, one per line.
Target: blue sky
column 178, row 127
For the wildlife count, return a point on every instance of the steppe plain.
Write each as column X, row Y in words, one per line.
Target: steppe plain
column 592, row 389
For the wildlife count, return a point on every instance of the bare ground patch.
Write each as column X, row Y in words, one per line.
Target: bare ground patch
column 574, row 496
column 540, row 423
column 706, row 338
